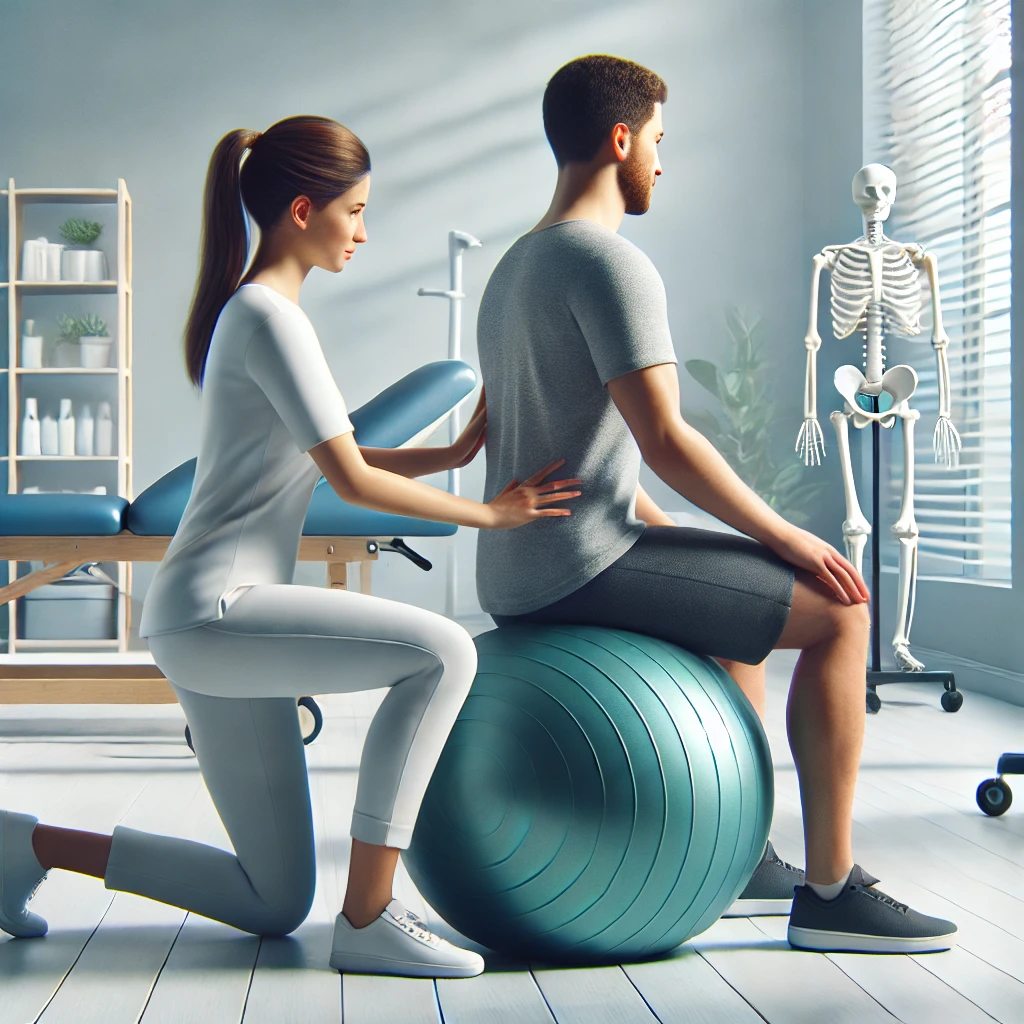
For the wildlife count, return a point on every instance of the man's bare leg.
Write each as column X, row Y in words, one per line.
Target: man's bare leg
column 750, row 679
column 825, row 719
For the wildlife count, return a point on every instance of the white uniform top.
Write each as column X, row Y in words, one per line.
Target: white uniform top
column 268, row 397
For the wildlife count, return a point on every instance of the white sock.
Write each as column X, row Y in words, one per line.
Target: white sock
column 830, row 892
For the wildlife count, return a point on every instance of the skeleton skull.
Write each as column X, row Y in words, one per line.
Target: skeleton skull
column 874, row 190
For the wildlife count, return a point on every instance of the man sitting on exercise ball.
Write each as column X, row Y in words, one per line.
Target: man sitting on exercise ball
column 578, row 362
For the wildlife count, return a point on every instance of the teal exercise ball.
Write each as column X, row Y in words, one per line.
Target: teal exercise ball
column 602, row 797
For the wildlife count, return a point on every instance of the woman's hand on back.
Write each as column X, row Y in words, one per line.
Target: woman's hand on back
column 521, row 503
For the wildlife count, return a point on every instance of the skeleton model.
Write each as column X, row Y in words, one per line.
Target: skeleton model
column 875, row 293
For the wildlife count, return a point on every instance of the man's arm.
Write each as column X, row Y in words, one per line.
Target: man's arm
column 648, row 511
column 681, row 456
column 648, row 400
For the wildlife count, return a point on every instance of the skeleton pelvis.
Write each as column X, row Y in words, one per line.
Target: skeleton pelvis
column 898, row 382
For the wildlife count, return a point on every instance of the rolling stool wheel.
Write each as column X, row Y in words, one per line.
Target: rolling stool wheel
column 311, row 721
column 994, row 797
column 873, row 702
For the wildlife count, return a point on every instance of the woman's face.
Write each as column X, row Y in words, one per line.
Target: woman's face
column 332, row 232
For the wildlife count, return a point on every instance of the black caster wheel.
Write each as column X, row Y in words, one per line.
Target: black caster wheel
column 994, row 797
column 188, row 739
column 952, row 700
column 874, row 702
column 311, row 719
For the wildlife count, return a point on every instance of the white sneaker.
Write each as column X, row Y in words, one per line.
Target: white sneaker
column 20, row 875
column 398, row 942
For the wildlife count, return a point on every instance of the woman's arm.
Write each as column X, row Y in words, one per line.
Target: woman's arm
column 413, row 462
column 359, row 483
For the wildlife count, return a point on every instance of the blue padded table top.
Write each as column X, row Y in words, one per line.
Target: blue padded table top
column 61, row 515
column 395, row 416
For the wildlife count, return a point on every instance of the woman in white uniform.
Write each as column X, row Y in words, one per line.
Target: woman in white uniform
column 236, row 639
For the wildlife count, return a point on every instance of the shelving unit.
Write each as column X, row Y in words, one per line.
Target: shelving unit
column 34, row 208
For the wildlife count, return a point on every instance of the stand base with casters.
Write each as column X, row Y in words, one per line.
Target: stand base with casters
column 994, row 796
column 952, row 698
column 311, row 721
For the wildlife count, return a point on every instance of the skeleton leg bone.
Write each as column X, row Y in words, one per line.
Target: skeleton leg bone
column 856, row 528
column 906, row 531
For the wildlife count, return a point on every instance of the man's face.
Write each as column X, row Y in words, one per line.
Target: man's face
column 639, row 171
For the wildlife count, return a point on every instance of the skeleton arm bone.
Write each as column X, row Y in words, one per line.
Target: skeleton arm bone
column 946, row 440
column 810, row 443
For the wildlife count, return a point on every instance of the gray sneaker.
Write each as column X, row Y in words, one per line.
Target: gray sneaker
column 863, row 920
column 770, row 889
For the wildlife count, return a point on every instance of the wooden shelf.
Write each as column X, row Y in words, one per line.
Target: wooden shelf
column 66, row 195
column 66, row 458
column 67, row 287
column 75, row 471
column 60, row 371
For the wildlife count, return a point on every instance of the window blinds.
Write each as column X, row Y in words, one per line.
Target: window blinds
column 937, row 110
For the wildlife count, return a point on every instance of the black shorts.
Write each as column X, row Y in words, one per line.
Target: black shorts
column 711, row 593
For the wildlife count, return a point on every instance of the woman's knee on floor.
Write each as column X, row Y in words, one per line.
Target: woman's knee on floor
column 283, row 911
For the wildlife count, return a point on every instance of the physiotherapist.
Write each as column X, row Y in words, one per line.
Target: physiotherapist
column 236, row 639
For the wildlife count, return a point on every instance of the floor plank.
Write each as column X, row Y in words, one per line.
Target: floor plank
column 784, row 985
column 686, row 989
column 113, row 978
column 899, row 983
column 378, row 1000
column 592, row 995
column 493, row 998
column 206, row 976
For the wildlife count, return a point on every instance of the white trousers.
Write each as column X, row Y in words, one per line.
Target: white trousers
column 237, row 680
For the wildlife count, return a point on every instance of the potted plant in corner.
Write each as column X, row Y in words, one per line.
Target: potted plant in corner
column 82, row 264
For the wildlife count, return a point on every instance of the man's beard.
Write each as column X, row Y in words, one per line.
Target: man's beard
column 634, row 179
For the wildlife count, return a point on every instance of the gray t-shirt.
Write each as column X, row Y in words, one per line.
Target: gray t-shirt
column 567, row 309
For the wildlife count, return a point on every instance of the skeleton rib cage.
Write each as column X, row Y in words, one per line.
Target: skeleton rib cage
column 853, row 291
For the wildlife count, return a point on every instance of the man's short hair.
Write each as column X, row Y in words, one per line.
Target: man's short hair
column 587, row 97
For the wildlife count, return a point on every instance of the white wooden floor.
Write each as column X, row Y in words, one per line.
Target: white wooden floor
column 118, row 958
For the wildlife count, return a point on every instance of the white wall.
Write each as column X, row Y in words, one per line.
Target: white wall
column 447, row 98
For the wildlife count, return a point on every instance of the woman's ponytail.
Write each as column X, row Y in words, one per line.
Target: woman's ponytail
column 224, row 248
column 305, row 155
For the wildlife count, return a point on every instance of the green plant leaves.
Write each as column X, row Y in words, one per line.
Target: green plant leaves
column 81, row 232
column 745, row 438
column 704, row 373
column 89, row 326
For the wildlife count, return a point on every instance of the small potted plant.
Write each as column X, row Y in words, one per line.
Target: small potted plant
column 90, row 331
column 84, row 263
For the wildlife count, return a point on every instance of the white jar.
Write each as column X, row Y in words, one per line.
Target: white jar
column 104, row 430
column 30, row 439
column 85, row 433
column 65, row 429
column 48, row 436
column 95, row 265
column 73, row 265
column 94, row 352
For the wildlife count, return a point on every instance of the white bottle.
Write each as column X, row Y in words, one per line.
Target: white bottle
column 31, row 346
column 85, row 432
column 65, row 429
column 49, row 436
column 104, row 430
column 30, row 441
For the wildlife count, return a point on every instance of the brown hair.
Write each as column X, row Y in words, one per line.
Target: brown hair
column 310, row 156
column 589, row 96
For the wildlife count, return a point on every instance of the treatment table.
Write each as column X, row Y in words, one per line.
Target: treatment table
column 66, row 531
